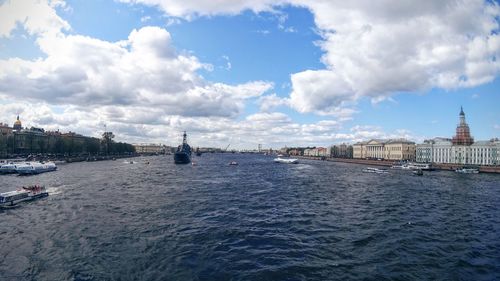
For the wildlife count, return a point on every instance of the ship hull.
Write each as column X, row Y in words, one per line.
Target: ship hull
column 182, row 158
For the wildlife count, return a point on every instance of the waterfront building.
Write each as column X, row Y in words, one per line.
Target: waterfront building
column 392, row 149
column 5, row 130
column 309, row 152
column 461, row 149
column 399, row 149
column 437, row 150
column 358, row 150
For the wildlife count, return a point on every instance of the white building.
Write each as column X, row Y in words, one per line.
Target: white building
column 437, row 150
column 460, row 150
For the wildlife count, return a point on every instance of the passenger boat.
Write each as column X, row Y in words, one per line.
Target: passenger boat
column 400, row 167
column 33, row 168
column 420, row 166
column 375, row 170
column 23, row 194
column 8, row 168
column 183, row 153
column 286, row 160
column 467, row 171
column 413, row 166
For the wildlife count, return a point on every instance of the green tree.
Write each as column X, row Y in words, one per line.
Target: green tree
column 107, row 140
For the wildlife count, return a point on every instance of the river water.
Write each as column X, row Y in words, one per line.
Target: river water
column 316, row 220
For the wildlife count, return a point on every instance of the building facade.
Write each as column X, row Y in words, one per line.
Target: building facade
column 392, row 149
column 461, row 149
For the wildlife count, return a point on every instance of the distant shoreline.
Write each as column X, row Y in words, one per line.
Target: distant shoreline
column 387, row 163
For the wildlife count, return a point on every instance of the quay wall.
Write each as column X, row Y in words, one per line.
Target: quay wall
column 387, row 163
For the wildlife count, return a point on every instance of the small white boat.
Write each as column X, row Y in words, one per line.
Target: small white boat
column 467, row 171
column 233, row 163
column 400, row 167
column 375, row 171
column 286, row 160
column 9, row 168
column 8, row 199
column 32, row 168
column 420, row 166
column 413, row 166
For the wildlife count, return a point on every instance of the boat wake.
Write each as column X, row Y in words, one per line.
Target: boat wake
column 53, row 190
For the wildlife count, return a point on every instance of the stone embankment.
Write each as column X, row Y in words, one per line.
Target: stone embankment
column 386, row 163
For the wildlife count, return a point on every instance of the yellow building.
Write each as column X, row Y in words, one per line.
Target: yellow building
column 393, row 149
column 400, row 150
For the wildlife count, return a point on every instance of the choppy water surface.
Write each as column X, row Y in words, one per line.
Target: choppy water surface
column 256, row 221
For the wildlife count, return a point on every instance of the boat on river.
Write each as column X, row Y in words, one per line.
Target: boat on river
column 286, row 160
column 467, row 171
column 375, row 171
column 418, row 172
column 183, row 153
column 9, row 199
column 33, row 168
column 413, row 166
column 8, row 168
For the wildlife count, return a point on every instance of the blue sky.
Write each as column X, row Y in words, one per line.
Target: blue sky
column 295, row 74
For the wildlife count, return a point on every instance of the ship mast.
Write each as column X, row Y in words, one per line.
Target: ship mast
column 184, row 140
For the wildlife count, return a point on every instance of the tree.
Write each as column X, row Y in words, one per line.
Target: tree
column 107, row 140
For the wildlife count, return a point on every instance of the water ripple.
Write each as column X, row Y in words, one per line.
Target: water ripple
column 257, row 221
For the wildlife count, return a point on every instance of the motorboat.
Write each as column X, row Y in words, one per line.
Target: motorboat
column 233, row 163
column 286, row 160
column 8, row 199
column 418, row 172
column 467, row 171
column 33, row 168
column 8, row 168
column 375, row 171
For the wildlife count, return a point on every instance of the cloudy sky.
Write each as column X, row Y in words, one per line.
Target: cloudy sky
column 291, row 72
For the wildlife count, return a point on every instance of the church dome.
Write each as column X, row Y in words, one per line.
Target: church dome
column 17, row 124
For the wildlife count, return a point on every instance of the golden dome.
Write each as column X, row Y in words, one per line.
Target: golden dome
column 17, row 124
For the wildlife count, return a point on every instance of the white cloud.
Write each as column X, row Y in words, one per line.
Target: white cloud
column 322, row 91
column 36, row 17
column 386, row 47
column 144, row 89
column 271, row 102
column 228, row 63
column 191, row 8
column 145, row 70
column 376, row 49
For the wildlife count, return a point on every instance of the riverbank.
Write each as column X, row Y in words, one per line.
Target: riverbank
column 69, row 159
column 387, row 163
